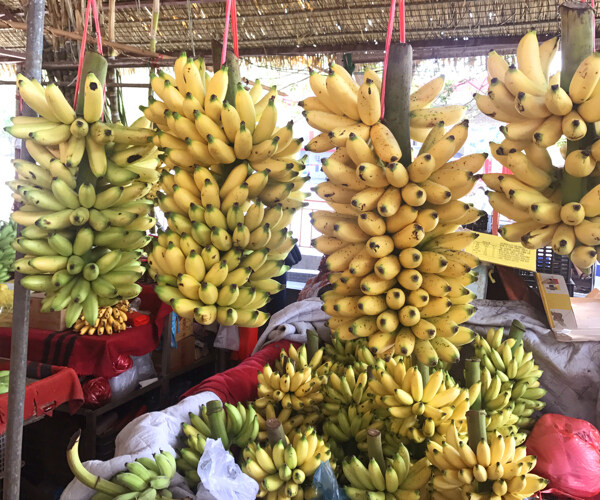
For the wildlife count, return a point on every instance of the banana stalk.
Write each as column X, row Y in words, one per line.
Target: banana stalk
column 516, row 332
column 375, row 448
column 577, row 42
column 275, row 432
column 473, row 376
column 216, row 416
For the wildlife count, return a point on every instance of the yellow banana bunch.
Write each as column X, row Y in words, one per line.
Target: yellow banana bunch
column 498, row 469
column 82, row 204
column 401, row 479
column 398, row 273
column 230, row 189
column 285, row 469
column 510, row 386
column 532, row 197
column 418, row 408
column 295, row 383
column 110, row 320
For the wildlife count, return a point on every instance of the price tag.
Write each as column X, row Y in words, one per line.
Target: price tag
column 495, row 249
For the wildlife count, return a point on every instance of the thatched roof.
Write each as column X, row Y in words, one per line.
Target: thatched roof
column 436, row 28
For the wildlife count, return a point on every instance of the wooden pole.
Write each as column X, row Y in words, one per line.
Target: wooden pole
column 577, row 42
column 20, row 326
column 397, row 92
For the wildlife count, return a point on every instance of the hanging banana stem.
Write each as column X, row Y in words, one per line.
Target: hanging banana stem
column 375, row 448
column 397, row 97
column 275, row 432
column 92, row 63
column 153, row 31
column 577, row 42
column 473, row 376
column 424, row 370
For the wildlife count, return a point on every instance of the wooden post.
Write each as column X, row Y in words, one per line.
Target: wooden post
column 20, row 325
column 577, row 42
column 397, row 92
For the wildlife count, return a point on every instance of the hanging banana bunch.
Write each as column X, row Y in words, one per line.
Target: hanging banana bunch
column 82, row 200
column 538, row 113
column 230, row 191
column 398, row 269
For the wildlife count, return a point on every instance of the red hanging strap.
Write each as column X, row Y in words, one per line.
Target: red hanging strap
column 91, row 4
column 234, row 30
column 228, row 6
column 388, row 41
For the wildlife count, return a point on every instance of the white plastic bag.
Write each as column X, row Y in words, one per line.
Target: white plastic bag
column 221, row 476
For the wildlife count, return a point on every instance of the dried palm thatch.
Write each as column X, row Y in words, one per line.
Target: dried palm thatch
column 436, row 28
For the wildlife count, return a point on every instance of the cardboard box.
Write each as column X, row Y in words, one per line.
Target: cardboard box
column 185, row 328
column 53, row 321
column 183, row 355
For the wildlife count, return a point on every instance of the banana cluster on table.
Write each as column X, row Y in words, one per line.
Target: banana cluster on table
column 230, row 189
column 499, row 469
column 143, row 479
column 8, row 234
column 285, row 470
column 398, row 269
column 81, row 201
column 111, row 319
column 538, row 113
column 510, row 386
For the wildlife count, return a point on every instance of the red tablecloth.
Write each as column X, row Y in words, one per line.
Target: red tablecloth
column 86, row 354
column 239, row 383
column 56, row 385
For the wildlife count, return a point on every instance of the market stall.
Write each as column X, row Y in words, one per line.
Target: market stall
column 394, row 375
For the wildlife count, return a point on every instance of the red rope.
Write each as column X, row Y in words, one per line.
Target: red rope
column 91, row 4
column 226, row 34
column 388, row 41
column 402, row 21
column 234, row 30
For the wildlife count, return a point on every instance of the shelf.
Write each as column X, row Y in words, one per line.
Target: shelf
column 204, row 360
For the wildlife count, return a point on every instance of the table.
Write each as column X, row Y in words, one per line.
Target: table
column 86, row 354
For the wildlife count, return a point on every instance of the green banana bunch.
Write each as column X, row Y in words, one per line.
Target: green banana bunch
column 341, row 354
column 285, row 469
column 81, row 201
column 510, row 386
column 8, row 233
column 144, row 479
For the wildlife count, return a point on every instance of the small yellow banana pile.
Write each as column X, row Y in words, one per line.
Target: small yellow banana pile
column 295, row 383
column 399, row 272
column 498, row 470
column 82, row 201
column 532, row 197
column 400, row 480
column 230, row 189
column 285, row 470
column 110, row 320
column 419, row 410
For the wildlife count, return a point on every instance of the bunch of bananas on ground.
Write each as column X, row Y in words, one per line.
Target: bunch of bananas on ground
column 235, row 425
column 532, row 103
column 285, row 469
column 398, row 270
column 348, row 408
column 232, row 191
column 398, row 479
column 532, row 197
column 81, row 201
column 510, row 387
column 111, row 319
column 8, row 233
column 295, row 381
column 144, row 479
column 419, row 408
column 498, row 470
